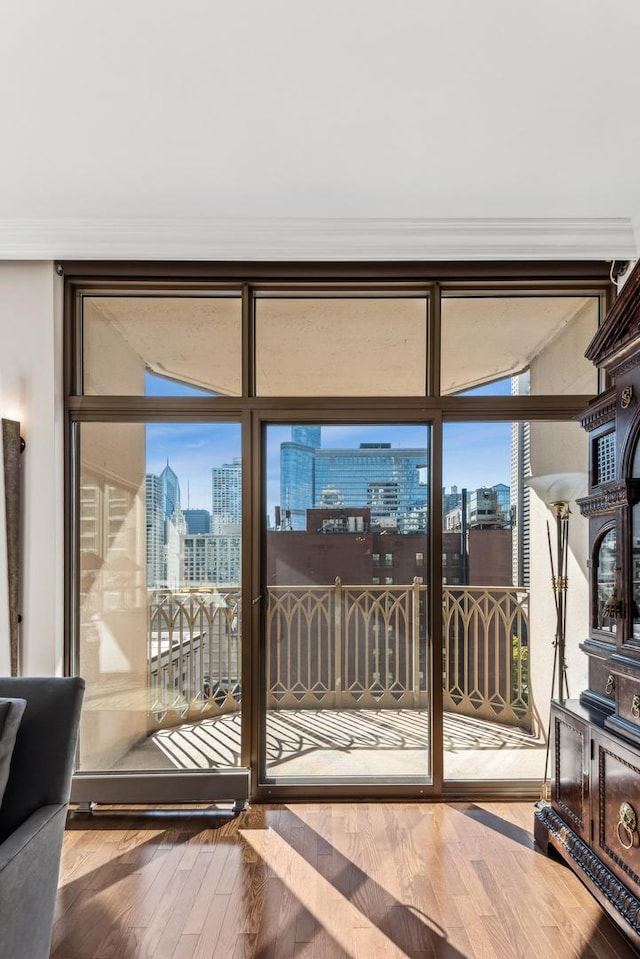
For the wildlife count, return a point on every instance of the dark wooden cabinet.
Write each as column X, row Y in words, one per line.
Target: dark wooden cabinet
column 593, row 816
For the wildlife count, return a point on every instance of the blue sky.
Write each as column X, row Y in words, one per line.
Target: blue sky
column 475, row 454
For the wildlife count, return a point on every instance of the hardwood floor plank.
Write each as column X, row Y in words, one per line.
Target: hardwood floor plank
column 180, row 907
column 245, row 947
column 327, row 881
column 185, row 948
column 208, row 888
column 266, row 939
column 210, row 932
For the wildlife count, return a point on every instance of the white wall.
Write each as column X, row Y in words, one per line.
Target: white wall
column 31, row 378
column 290, row 109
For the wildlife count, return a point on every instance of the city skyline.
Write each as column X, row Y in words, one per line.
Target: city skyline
column 475, row 454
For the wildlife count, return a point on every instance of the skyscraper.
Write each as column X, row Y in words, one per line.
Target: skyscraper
column 170, row 490
column 388, row 481
column 226, row 498
column 155, row 530
column 297, row 460
column 212, row 560
column 165, row 527
column 197, row 520
column 307, row 436
column 222, row 548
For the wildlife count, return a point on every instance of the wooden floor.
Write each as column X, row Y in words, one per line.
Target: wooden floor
column 325, row 881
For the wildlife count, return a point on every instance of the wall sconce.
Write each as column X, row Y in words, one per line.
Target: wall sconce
column 12, row 447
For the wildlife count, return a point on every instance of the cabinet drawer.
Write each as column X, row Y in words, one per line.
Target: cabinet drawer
column 571, row 744
column 602, row 680
column 628, row 698
column 616, row 836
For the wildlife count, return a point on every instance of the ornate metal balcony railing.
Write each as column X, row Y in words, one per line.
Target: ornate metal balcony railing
column 194, row 653
column 486, row 653
column 345, row 646
column 342, row 647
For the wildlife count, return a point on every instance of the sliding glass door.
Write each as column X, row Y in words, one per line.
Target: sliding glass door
column 159, row 613
column 347, row 679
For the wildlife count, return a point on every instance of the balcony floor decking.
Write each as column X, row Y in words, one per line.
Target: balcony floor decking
column 303, row 743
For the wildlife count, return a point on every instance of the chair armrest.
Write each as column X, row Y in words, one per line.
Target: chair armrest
column 29, row 869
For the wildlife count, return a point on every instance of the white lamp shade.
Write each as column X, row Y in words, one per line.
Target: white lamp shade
column 557, row 487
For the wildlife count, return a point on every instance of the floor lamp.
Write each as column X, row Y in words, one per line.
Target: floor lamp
column 557, row 490
column 12, row 447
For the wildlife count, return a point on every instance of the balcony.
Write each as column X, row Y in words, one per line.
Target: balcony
column 346, row 674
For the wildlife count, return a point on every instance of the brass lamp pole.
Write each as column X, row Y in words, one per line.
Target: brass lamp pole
column 559, row 582
column 557, row 490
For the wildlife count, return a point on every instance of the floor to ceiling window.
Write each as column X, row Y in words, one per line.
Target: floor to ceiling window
column 347, row 656
column 304, row 556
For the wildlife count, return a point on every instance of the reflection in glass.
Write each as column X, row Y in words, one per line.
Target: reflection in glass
column 607, row 608
column 159, row 595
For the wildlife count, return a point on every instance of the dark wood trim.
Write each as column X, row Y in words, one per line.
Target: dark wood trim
column 499, row 270
column 257, row 637
column 434, row 623
column 247, row 586
column 373, row 789
column 248, row 344
column 618, row 333
column 365, row 409
column 601, row 412
column 616, row 899
column 433, row 342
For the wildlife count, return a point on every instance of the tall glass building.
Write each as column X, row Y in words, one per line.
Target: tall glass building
column 170, row 490
column 226, row 497
column 389, row 481
column 165, row 526
column 197, row 520
column 155, row 530
column 297, row 460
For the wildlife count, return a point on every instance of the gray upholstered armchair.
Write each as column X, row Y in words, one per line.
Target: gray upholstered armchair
column 33, row 810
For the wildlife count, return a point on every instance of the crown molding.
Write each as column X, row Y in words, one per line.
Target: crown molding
column 594, row 238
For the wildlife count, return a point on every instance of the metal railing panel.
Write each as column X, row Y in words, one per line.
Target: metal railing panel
column 486, row 653
column 342, row 647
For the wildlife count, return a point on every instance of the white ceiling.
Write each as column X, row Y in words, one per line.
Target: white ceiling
column 132, row 122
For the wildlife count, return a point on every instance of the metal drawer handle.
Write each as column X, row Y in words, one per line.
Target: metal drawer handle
column 635, row 707
column 627, row 825
column 611, row 684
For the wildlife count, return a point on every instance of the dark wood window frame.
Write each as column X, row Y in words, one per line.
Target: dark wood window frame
column 434, row 279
